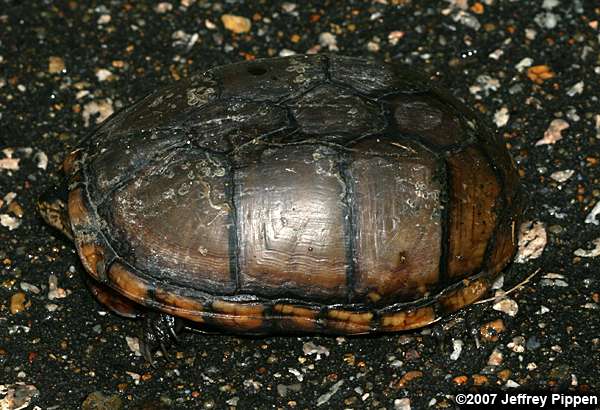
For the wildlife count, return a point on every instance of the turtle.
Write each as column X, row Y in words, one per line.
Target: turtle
column 303, row 194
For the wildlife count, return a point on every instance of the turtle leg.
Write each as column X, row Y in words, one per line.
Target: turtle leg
column 159, row 331
column 113, row 300
column 52, row 206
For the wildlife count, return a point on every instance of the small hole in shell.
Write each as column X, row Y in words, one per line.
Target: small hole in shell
column 257, row 70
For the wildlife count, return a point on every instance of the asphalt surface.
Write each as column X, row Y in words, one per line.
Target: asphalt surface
column 65, row 64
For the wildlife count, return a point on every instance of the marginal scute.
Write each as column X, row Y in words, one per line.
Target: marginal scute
column 180, row 305
column 93, row 259
column 407, row 319
column 464, row 295
column 79, row 215
column 348, row 322
column 128, row 283
column 290, row 317
column 238, row 316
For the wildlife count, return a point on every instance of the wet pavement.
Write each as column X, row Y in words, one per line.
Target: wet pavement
column 532, row 71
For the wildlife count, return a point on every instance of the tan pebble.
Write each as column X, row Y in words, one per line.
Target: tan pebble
column 407, row 378
column 490, row 331
column 15, row 209
column 55, row 65
column 504, row 374
column 479, row 380
column 17, row 303
column 495, row 358
column 460, row 380
column 539, row 73
column 236, row 24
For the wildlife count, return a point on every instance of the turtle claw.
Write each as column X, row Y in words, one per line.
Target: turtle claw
column 158, row 332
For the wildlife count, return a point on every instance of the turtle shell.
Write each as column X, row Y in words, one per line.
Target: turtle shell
column 309, row 193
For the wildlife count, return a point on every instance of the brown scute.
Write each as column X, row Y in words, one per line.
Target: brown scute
column 181, row 306
column 474, row 191
column 329, row 110
column 278, row 79
column 295, row 318
column 176, row 217
column 347, row 322
column 128, row 283
column 69, row 164
column 464, row 295
column 291, row 224
column 423, row 116
column 237, row 315
column 93, row 259
column 504, row 246
column 78, row 212
column 117, row 303
column 407, row 319
column 397, row 224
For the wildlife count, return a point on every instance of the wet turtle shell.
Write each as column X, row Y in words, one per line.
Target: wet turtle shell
column 308, row 193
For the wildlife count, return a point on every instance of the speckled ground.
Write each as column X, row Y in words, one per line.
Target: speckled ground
column 532, row 70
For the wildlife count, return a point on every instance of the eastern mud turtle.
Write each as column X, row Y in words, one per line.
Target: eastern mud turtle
column 301, row 194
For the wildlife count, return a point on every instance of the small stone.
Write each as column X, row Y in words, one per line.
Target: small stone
column 236, row 24
column 328, row 40
column 460, row 380
column 532, row 343
column 17, row 303
column 9, row 222
column 532, row 241
column 490, row 331
column 402, row 404
column 102, row 107
column 457, row 346
column 407, row 378
column 395, row 36
column 479, row 380
column 592, row 217
column 324, row 398
column 577, row 88
column 512, row 384
column 591, row 253
column 517, row 345
column 28, row 287
column 539, row 73
column 524, row 63
column 288, row 7
column 99, row 401
column 134, row 345
column 562, row 176
column 102, row 74
column 508, row 306
column 55, row 65
column 41, row 160
column 554, row 132
column 104, row 19
column 54, row 292
column 309, row 348
column 163, row 7
column 501, row 117
column 495, row 358
column 17, row 396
